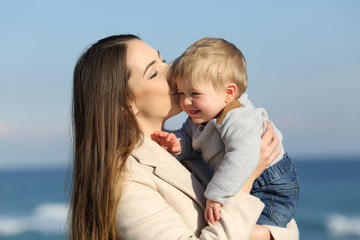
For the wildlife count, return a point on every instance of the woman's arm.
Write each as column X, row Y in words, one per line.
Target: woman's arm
column 269, row 143
column 151, row 208
column 290, row 232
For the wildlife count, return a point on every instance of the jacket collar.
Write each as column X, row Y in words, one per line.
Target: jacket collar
column 169, row 169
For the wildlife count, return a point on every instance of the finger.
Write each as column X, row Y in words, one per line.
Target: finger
column 267, row 137
column 176, row 149
column 273, row 144
column 206, row 215
column 269, row 132
column 217, row 213
column 274, row 141
column 160, row 134
column 274, row 155
column 170, row 137
column 211, row 216
column 155, row 138
column 164, row 147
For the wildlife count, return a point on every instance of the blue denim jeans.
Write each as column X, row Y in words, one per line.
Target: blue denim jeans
column 278, row 188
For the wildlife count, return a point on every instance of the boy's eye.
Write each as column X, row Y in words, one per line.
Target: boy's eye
column 195, row 93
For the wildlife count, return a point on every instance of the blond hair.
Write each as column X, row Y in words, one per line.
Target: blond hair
column 211, row 59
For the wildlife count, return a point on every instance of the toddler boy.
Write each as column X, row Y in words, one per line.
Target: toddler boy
column 224, row 126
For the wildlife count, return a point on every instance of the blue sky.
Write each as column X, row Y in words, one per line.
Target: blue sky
column 303, row 66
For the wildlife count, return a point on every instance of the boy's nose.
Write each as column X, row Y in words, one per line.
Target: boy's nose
column 187, row 101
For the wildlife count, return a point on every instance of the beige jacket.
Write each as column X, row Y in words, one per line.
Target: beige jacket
column 163, row 200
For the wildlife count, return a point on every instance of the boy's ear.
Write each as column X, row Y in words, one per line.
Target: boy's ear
column 230, row 92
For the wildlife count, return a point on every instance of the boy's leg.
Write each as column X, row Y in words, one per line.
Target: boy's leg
column 278, row 189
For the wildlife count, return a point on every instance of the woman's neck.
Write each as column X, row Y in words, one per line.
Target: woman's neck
column 148, row 127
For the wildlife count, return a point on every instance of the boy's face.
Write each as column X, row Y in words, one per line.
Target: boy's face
column 202, row 103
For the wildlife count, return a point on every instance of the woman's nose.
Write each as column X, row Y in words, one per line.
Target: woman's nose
column 164, row 69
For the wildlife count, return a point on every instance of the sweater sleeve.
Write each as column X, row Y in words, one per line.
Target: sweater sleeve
column 184, row 134
column 240, row 132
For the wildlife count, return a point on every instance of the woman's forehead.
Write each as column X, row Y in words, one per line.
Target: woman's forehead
column 139, row 53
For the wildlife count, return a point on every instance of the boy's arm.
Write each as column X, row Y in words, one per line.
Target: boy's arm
column 240, row 131
column 184, row 134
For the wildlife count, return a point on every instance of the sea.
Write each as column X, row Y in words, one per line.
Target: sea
column 33, row 203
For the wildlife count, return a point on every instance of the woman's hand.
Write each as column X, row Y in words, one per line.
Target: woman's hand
column 268, row 153
column 261, row 232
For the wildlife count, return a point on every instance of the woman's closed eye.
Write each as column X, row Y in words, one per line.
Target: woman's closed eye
column 154, row 75
column 156, row 72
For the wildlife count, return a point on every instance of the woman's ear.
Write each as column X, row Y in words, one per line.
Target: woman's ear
column 133, row 108
column 230, row 92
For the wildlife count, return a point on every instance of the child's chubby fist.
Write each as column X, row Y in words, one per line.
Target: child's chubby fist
column 212, row 211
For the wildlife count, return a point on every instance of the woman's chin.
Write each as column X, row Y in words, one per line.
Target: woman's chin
column 176, row 110
column 175, row 105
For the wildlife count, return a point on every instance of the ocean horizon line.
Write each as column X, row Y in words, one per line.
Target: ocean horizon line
column 297, row 158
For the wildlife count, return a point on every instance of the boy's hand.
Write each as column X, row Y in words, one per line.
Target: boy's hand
column 168, row 141
column 212, row 211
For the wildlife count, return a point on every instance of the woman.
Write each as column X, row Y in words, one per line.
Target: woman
column 125, row 186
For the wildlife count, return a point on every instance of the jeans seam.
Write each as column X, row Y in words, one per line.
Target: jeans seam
column 286, row 187
column 271, row 210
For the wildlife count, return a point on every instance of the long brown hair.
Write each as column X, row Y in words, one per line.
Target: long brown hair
column 104, row 131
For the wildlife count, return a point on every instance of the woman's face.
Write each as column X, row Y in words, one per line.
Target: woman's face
column 153, row 98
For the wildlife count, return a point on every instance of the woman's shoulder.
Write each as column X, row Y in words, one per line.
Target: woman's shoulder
column 139, row 166
column 149, row 160
column 137, row 173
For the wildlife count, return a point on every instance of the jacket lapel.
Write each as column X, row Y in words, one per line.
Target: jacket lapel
column 170, row 170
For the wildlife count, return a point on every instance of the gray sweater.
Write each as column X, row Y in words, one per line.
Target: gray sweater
column 230, row 144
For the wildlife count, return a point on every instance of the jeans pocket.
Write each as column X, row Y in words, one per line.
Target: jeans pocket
column 283, row 204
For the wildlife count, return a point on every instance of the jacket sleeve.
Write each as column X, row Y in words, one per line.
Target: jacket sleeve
column 144, row 213
column 290, row 232
column 240, row 132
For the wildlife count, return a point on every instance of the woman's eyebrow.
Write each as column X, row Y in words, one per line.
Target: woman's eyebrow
column 150, row 64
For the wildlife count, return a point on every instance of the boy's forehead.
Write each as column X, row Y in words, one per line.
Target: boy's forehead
column 193, row 82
